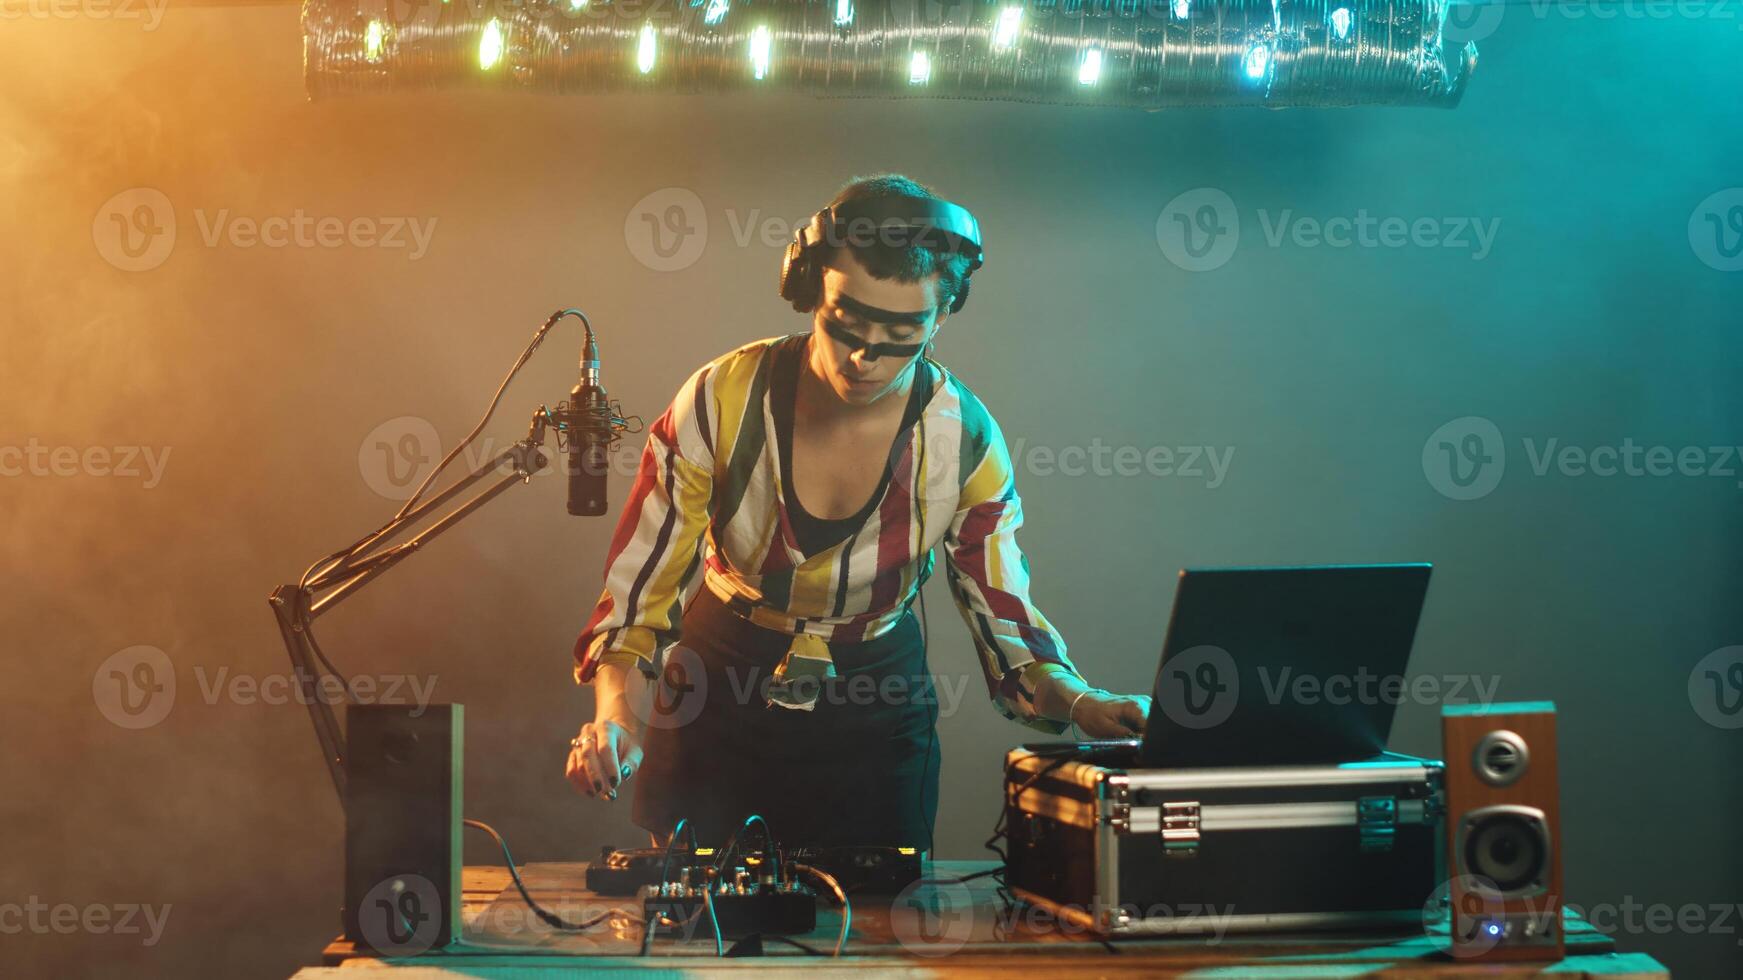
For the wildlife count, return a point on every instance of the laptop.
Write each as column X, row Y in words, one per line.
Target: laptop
column 1283, row 666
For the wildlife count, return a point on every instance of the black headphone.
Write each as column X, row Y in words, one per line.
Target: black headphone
column 913, row 218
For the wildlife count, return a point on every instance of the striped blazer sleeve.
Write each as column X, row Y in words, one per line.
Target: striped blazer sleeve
column 655, row 550
column 989, row 578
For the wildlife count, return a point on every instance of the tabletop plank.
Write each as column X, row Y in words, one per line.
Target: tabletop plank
column 502, row 938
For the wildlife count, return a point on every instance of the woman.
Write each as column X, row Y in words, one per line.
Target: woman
column 821, row 468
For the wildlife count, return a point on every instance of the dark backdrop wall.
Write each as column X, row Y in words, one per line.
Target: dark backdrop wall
column 254, row 405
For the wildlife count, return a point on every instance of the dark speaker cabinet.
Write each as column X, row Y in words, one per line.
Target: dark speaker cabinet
column 402, row 826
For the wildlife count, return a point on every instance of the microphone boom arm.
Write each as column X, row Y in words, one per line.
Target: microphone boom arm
column 295, row 606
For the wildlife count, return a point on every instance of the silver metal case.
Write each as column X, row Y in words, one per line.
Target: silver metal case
column 1125, row 851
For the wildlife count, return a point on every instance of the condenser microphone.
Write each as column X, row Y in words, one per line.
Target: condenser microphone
column 589, row 424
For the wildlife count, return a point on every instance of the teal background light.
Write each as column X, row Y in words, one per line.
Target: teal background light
column 1559, row 279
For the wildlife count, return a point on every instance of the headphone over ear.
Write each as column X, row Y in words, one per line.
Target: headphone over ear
column 912, row 218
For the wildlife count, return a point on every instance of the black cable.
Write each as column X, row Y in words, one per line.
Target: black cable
column 809, row 949
column 649, row 926
column 833, row 885
column 961, row 880
column 671, row 842
column 768, row 841
column 932, row 721
column 549, row 918
column 332, row 562
column 732, row 844
column 1060, row 754
column 538, row 338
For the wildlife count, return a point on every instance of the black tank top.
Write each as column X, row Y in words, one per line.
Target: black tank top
column 815, row 534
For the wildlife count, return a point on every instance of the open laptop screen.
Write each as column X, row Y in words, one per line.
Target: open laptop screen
column 1283, row 666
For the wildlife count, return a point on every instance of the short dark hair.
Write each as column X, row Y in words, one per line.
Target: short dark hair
column 905, row 262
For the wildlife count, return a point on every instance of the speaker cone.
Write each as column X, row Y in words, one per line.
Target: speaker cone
column 1508, row 846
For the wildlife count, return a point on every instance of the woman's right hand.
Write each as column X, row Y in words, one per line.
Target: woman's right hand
column 604, row 754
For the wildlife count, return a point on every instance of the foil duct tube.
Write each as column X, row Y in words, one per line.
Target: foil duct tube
column 1148, row 54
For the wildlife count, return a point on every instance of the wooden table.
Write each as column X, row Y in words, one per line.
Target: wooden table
column 502, row 939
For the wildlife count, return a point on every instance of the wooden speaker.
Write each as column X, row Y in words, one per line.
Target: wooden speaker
column 403, row 782
column 1503, row 825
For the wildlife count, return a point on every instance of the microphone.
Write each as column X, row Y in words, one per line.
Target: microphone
column 589, row 423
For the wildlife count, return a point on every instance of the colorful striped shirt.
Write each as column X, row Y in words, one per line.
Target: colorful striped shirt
column 710, row 474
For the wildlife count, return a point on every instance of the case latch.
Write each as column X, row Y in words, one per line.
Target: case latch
column 1377, row 822
column 1180, row 828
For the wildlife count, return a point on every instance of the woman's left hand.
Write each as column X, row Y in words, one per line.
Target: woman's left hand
column 1104, row 714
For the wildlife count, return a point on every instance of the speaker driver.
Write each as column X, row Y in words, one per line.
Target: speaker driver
column 1508, row 846
column 1501, row 757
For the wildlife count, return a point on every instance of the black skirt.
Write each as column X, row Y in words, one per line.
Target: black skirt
column 861, row 767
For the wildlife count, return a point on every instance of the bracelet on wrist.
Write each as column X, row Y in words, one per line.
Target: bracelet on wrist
column 1071, row 714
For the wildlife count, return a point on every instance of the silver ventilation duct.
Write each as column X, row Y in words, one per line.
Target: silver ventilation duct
column 1138, row 53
